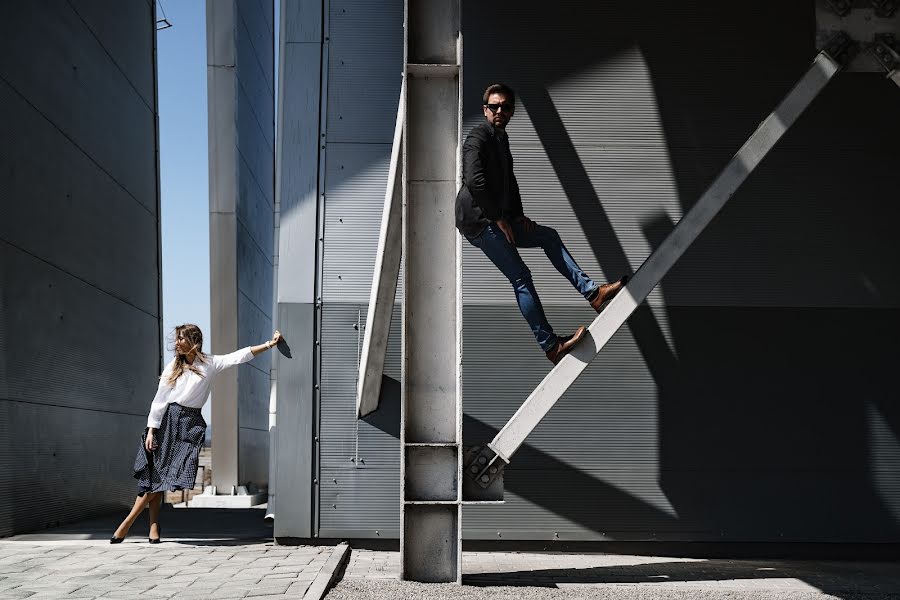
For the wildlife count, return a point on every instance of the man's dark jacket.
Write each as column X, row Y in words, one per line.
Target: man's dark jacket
column 481, row 197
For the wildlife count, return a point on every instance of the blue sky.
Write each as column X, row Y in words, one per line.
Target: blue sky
column 184, row 173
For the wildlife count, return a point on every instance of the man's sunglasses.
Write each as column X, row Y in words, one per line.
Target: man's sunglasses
column 495, row 107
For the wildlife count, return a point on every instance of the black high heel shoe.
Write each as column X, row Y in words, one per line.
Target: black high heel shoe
column 156, row 540
column 116, row 540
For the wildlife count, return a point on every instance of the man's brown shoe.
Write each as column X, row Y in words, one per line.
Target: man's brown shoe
column 606, row 293
column 564, row 344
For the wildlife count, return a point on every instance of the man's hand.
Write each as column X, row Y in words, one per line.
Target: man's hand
column 527, row 224
column 507, row 230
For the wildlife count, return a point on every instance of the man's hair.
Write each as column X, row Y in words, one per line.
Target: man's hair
column 499, row 88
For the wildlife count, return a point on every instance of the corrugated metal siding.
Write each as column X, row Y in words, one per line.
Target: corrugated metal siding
column 360, row 474
column 365, row 65
column 710, row 417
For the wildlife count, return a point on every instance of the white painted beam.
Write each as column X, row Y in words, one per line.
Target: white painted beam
column 555, row 384
column 384, row 280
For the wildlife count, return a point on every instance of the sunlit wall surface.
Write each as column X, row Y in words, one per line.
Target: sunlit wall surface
column 79, row 256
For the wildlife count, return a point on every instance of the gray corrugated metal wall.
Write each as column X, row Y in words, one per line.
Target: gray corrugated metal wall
column 752, row 398
column 79, row 255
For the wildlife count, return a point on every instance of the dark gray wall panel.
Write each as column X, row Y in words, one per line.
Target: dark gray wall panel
column 254, row 211
column 43, row 454
column 365, row 64
column 80, row 310
column 256, row 18
column 254, row 273
column 702, row 443
column 60, row 207
column 253, row 397
column 123, row 31
column 72, row 81
column 253, row 449
column 254, row 148
column 251, row 76
column 94, row 351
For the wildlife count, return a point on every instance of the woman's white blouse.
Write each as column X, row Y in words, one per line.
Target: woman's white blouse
column 191, row 389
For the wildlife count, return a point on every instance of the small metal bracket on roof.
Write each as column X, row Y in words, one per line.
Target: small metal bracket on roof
column 886, row 49
column 840, row 7
column 841, row 48
column 884, row 8
column 163, row 24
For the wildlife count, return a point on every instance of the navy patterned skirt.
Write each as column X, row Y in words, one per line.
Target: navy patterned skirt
column 172, row 465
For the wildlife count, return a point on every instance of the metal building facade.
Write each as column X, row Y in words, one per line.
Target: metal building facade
column 80, row 303
column 751, row 398
column 241, row 97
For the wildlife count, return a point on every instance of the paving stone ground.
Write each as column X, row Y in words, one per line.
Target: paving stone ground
column 173, row 569
column 206, row 553
column 230, row 554
column 512, row 574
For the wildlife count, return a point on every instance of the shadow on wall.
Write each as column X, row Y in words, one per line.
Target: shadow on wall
column 763, row 393
column 762, row 417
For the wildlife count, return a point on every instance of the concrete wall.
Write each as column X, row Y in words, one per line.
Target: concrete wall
column 750, row 398
column 80, row 308
column 241, row 83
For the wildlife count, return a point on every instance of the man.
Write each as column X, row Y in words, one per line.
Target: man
column 489, row 214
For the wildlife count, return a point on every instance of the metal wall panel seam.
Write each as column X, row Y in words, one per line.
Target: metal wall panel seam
column 320, row 275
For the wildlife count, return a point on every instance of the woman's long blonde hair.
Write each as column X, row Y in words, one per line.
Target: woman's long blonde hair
column 194, row 336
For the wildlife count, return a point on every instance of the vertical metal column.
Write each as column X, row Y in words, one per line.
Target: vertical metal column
column 430, row 417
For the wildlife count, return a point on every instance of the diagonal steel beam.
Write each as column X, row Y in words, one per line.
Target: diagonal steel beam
column 555, row 384
column 384, row 279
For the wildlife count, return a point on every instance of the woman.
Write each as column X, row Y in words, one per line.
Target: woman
column 167, row 456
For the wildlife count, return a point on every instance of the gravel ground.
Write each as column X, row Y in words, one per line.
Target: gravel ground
column 359, row 589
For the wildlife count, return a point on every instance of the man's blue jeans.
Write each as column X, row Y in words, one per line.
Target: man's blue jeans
column 506, row 257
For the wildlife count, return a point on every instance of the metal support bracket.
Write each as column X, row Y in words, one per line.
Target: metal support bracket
column 483, row 466
column 886, row 50
column 841, row 48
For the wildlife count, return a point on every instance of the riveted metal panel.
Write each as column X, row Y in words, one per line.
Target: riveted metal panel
column 360, row 477
column 365, row 64
column 355, row 182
